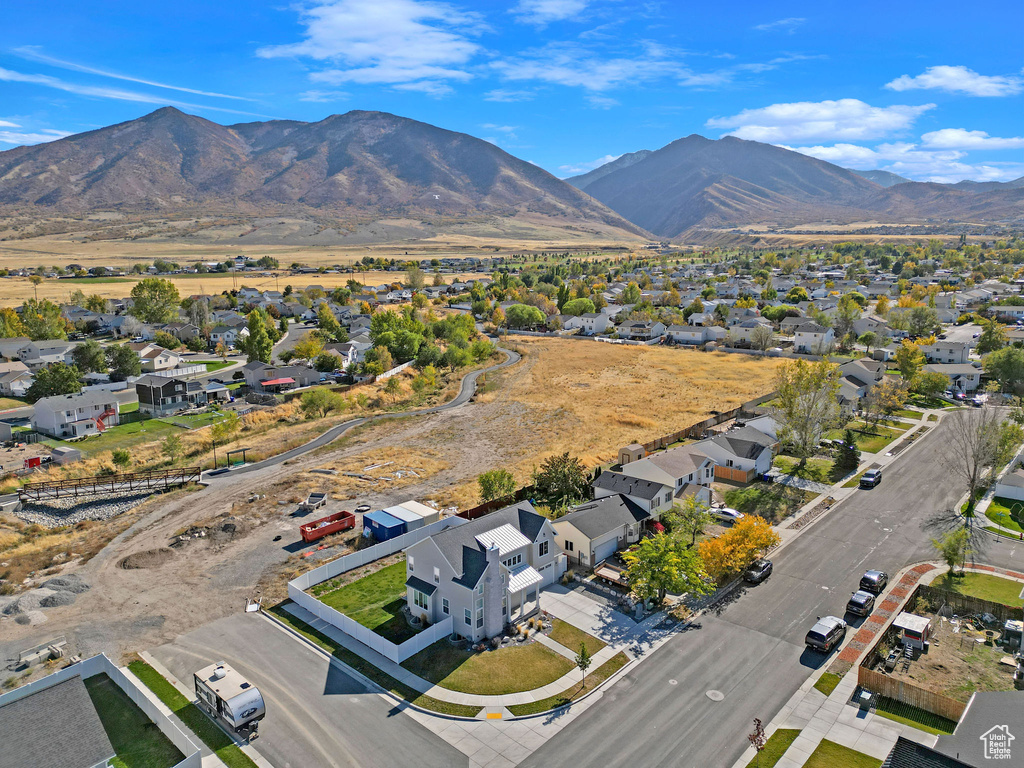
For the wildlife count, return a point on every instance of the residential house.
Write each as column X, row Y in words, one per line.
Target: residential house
column 265, row 377
column 161, row 395
column 743, row 332
column 813, row 339
column 650, row 495
column 962, row 377
column 15, row 379
column 485, row 573
column 950, row 352
column 223, row 334
column 594, row 531
column 9, row 348
column 182, row 331
column 685, row 470
column 84, row 413
column 39, row 354
column 641, row 330
column 155, row 358
column 695, row 335
column 740, row 455
column 594, row 323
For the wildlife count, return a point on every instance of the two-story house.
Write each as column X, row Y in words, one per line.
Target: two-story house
column 813, row 339
column 682, row 469
column 155, row 358
column 593, row 323
column 947, row 352
column 594, row 531
column 651, row 496
column 39, row 354
column 84, row 413
column 161, row 395
column 485, row 574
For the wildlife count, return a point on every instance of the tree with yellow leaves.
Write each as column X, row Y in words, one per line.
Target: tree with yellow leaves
column 727, row 555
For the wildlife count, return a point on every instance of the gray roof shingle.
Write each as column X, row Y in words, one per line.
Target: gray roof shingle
column 598, row 517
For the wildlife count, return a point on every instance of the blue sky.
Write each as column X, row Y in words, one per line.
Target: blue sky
column 932, row 91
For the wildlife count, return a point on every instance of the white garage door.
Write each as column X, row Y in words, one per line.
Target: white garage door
column 604, row 551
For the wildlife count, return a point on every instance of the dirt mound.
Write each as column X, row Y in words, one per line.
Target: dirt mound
column 151, row 558
column 58, row 599
column 69, row 583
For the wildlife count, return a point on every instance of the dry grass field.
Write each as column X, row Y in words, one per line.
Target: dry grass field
column 591, row 399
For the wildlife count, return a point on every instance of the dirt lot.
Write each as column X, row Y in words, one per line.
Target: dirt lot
column 538, row 409
column 957, row 664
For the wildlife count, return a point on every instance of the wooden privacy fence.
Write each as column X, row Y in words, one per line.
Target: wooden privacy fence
column 964, row 605
column 696, row 431
column 734, row 474
column 908, row 693
column 491, row 506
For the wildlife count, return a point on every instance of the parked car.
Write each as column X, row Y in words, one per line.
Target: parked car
column 976, row 402
column 758, row 571
column 826, row 634
column 874, row 581
column 871, row 478
column 726, row 515
column 861, row 603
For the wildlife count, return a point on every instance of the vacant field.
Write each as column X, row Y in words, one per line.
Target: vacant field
column 590, row 399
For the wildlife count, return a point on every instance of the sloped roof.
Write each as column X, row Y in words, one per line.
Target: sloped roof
column 464, row 553
column 598, row 517
column 616, row 482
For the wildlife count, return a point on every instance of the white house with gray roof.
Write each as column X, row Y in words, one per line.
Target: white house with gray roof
column 486, row 573
column 652, row 496
column 78, row 415
column 594, row 531
column 685, row 470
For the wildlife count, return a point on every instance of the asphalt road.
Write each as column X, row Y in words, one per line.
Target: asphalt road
column 752, row 651
column 317, row 715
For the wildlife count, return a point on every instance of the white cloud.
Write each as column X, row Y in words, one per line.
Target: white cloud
column 960, row 138
column 577, row 168
column 843, row 119
column 34, row 53
column 574, row 65
column 323, row 96
column 103, row 92
column 782, row 25
column 505, row 95
column 913, row 162
column 8, row 124
column 959, row 80
column 409, row 44
column 727, row 75
column 508, row 130
column 543, row 12
column 19, row 138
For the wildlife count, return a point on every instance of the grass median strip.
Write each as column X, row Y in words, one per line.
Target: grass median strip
column 566, row 634
column 827, row 683
column 368, row 670
column 594, row 679
column 774, row 748
column 192, row 716
column 829, row 755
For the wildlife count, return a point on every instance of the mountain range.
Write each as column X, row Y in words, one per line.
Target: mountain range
column 697, row 183
column 378, row 176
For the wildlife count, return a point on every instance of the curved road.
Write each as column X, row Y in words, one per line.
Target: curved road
column 466, row 391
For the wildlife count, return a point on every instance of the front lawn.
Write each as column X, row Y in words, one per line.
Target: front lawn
column 984, row 587
column 907, row 414
column 135, row 739
column 854, row 481
column 827, row 683
column 376, row 602
column 489, row 673
column 774, row 748
column 566, row 634
column 818, row 470
column 872, row 439
column 923, row 401
column 212, row 365
column 999, row 512
column 594, row 679
column 831, row 755
column 772, row 501
column 7, row 403
column 899, row 712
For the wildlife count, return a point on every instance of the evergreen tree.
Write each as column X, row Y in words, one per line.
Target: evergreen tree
column 849, row 453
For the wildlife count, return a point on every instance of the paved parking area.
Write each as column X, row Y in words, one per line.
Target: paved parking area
column 592, row 613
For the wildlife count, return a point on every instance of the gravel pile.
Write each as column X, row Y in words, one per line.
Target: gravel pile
column 55, row 592
column 56, row 513
column 70, row 583
column 28, row 601
column 57, row 599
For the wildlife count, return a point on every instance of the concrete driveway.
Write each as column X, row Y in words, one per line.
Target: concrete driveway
column 317, row 715
column 593, row 613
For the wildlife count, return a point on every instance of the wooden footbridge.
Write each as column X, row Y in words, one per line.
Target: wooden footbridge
column 153, row 481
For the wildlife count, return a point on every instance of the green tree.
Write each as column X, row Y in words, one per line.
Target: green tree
column 954, row 547
column 564, row 478
column 868, row 339
column 993, row 337
column 223, row 430
column 155, row 300
column 661, row 564
column 122, row 362
column 415, row 278
column 166, row 340
column 583, row 661
column 849, row 453
column 329, row 325
column 929, row 383
column 922, row 321
column 797, row 294
column 806, row 405
column 55, row 379
column 523, row 316
column 393, row 388
column 326, row 362
column 321, row 402
column 1006, row 366
column 89, row 357
column 42, row 320
column 848, row 312
column 121, row 457
column 258, row 347
column 496, row 484
column 380, row 357
column 309, row 346
column 578, row 307
column 456, row 357
column 690, row 517
column 908, row 359
column 11, row 326
column 631, row 294
column 172, row 447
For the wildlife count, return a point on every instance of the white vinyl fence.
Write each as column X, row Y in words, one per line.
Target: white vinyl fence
column 98, row 665
column 393, row 651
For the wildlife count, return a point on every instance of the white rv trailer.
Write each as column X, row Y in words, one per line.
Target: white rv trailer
column 230, row 698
